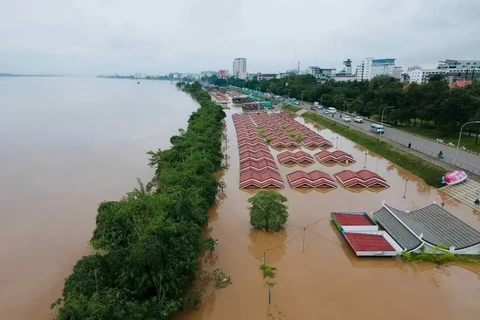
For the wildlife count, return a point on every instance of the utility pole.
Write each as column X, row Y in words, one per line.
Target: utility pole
column 303, row 245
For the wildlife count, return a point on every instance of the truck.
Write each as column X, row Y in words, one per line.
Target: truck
column 316, row 104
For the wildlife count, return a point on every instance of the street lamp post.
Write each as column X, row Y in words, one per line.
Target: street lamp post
column 460, row 136
column 388, row 107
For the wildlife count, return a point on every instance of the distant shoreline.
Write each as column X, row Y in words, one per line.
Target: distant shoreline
column 11, row 75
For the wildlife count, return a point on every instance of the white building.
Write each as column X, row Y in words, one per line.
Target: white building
column 397, row 72
column 454, row 65
column 371, row 68
column 266, row 76
column 314, row 71
column 347, row 66
column 321, row 73
column 344, row 77
column 413, row 68
column 422, row 75
column 240, row 68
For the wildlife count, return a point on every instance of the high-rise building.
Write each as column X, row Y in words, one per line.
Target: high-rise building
column 371, row 68
column 347, row 64
column 240, row 68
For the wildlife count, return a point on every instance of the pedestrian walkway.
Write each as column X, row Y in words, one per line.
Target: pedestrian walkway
column 466, row 192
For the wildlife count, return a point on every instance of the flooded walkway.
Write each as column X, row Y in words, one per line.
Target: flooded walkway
column 318, row 275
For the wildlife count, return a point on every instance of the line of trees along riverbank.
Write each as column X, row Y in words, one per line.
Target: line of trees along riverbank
column 433, row 104
column 147, row 244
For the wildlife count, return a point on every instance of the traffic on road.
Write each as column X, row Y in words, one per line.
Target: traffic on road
column 457, row 157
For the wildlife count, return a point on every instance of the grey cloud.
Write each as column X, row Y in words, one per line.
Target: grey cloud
column 123, row 36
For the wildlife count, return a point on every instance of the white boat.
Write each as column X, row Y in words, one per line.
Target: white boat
column 454, row 177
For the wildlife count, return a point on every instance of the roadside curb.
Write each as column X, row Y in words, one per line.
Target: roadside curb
column 433, row 140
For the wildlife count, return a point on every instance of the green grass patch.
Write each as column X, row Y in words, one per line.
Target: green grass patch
column 468, row 142
column 440, row 258
column 291, row 108
column 427, row 171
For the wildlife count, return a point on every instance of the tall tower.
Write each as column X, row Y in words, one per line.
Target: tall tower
column 240, row 68
column 348, row 66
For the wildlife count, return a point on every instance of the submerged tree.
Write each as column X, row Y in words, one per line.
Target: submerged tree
column 268, row 210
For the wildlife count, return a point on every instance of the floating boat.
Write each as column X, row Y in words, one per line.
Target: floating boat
column 454, row 177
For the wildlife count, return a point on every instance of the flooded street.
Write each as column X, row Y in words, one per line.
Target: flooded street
column 66, row 144
column 318, row 275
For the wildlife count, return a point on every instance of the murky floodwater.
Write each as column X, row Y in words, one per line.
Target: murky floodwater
column 66, row 144
column 318, row 275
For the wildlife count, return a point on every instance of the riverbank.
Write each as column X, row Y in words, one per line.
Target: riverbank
column 147, row 244
column 430, row 173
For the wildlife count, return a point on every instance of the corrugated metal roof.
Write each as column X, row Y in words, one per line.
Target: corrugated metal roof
column 441, row 227
column 397, row 230
column 368, row 242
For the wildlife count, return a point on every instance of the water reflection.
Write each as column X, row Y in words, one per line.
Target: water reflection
column 361, row 189
column 273, row 243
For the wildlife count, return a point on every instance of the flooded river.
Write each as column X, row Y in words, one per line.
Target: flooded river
column 318, row 276
column 66, row 144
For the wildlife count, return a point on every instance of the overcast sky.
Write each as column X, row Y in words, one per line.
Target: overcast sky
column 161, row 36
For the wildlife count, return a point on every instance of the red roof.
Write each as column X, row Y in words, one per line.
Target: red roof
column 368, row 242
column 246, row 155
column 253, row 147
column 263, row 179
column 349, row 219
column 461, row 83
column 297, row 157
column 316, row 141
column 242, row 141
column 284, row 142
column 362, row 178
column 335, row 156
column 313, row 179
column 258, row 165
column 367, row 174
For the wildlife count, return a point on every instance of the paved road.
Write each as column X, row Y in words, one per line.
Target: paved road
column 465, row 160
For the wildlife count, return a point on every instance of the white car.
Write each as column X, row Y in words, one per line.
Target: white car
column 358, row 120
column 347, row 119
column 326, row 112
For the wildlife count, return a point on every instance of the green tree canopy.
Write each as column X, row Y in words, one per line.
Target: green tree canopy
column 268, row 210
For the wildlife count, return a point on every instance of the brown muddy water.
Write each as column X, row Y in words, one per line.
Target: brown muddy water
column 318, row 276
column 66, row 144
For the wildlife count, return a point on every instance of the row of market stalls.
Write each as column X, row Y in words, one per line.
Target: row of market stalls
column 389, row 232
column 251, row 103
